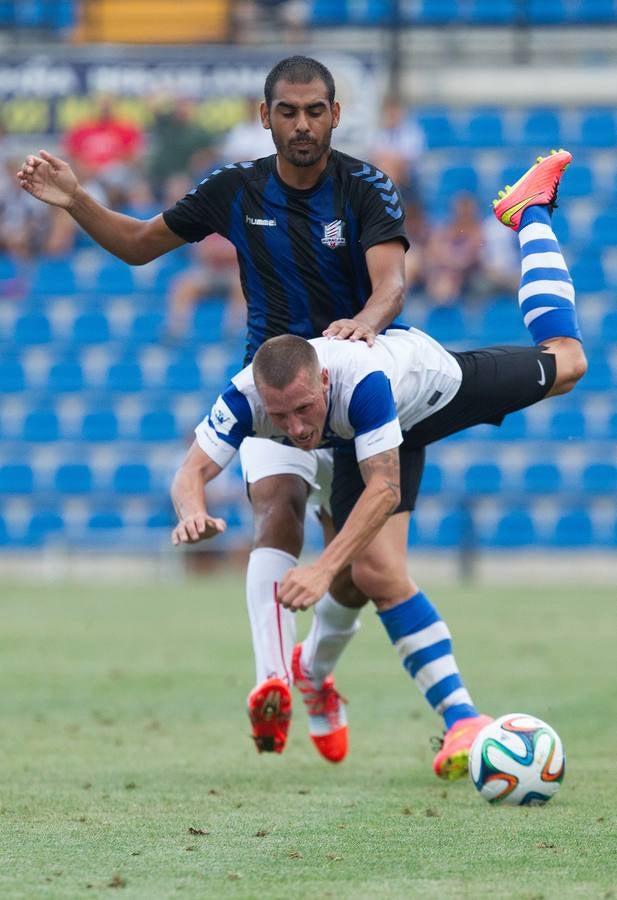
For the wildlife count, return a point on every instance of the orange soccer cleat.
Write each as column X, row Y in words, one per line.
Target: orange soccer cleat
column 325, row 706
column 537, row 187
column 269, row 709
column 452, row 759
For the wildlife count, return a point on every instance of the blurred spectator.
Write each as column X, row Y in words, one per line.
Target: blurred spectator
column 104, row 142
column 26, row 229
column 500, row 268
column 213, row 274
column 251, row 17
column 248, row 139
column 454, row 252
column 178, row 143
column 418, row 232
column 397, row 148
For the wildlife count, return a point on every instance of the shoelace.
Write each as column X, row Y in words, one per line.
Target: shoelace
column 436, row 743
column 322, row 702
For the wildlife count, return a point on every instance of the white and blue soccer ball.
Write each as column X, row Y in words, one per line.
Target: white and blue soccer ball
column 517, row 759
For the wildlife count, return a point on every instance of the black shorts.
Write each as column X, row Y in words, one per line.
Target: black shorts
column 496, row 381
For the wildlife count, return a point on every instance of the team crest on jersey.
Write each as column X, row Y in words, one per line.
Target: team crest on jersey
column 333, row 234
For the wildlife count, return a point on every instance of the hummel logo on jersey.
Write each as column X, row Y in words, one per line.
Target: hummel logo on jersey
column 333, row 234
column 268, row 223
column 542, row 378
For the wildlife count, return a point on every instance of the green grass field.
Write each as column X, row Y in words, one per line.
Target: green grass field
column 127, row 769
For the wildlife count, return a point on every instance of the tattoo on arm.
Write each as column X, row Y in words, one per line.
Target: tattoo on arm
column 384, row 466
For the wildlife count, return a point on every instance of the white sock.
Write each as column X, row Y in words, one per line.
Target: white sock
column 273, row 627
column 333, row 627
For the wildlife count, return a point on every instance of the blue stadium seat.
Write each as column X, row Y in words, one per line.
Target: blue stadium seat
column 41, row 426
column 32, row 329
column 483, row 478
column 485, row 127
column 100, row 425
column 158, row 425
column 324, row 12
column 124, row 377
column 43, row 525
column 541, row 12
column 368, row 12
column 454, row 179
column 567, row 424
column 146, row 328
column 132, row 479
column 594, row 12
column 90, row 328
column 208, row 321
column 542, row 478
column 598, row 129
column 8, row 268
column 446, row 324
column 573, row 529
column 184, row 376
column 438, row 12
column 12, row 378
column 578, row 182
column 587, row 272
column 542, row 127
column 489, row 12
column 611, row 430
column 608, row 330
column 601, row 479
column 599, row 376
column 73, row 479
column 105, row 521
column 437, row 127
column 604, row 230
column 431, row 480
column 114, row 278
column 65, row 377
column 514, row 529
column 502, row 323
column 513, row 428
column 53, row 278
column 456, row 529
column 16, row 478
column 5, row 537
column 162, row 518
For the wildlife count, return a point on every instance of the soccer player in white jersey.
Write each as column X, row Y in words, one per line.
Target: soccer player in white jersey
column 379, row 408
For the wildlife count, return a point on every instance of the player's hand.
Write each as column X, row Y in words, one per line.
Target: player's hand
column 303, row 586
column 193, row 529
column 48, row 179
column 350, row 330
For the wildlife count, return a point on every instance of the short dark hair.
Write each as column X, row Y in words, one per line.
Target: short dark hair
column 280, row 359
column 298, row 70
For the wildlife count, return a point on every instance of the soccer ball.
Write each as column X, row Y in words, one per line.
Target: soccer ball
column 517, row 759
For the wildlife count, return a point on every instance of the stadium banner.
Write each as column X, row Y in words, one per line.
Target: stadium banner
column 48, row 94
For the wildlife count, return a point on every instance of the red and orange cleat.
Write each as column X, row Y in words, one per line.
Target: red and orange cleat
column 537, row 187
column 325, row 706
column 269, row 709
column 452, row 760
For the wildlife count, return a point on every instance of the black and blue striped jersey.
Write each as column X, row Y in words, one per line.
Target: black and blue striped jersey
column 301, row 252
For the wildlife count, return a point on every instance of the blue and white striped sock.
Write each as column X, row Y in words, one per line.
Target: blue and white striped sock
column 546, row 293
column 424, row 645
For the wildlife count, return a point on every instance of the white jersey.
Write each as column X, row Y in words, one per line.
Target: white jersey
column 375, row 395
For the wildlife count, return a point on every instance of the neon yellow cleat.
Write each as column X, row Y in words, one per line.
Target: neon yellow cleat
column 452, row 760
column 537, row 187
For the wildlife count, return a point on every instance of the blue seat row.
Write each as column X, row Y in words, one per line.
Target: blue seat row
column 463, row 12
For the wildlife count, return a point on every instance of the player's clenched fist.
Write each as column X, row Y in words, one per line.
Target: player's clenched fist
column 193, row 529
column 48, row 179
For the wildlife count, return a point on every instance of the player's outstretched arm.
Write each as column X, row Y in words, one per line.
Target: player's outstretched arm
column 386, row 267
column 52, row 181
column 188, row 495
column 304, row 585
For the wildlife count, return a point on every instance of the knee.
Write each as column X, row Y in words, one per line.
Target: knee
column 571, row 364
column 346, row 592
column 278, row 511
column 383, row 583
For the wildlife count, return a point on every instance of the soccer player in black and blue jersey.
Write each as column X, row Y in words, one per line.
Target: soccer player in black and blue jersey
column 320, row 240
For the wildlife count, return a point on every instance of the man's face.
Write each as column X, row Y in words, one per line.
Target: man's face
column 300, row 409
column 301, row 119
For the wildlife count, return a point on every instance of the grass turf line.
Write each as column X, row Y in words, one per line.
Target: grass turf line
column 127, row 768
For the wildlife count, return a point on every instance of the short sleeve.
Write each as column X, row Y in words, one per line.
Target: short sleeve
column 204, row 210
column 222, row 431
column 373, row 416
column 382, row 213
